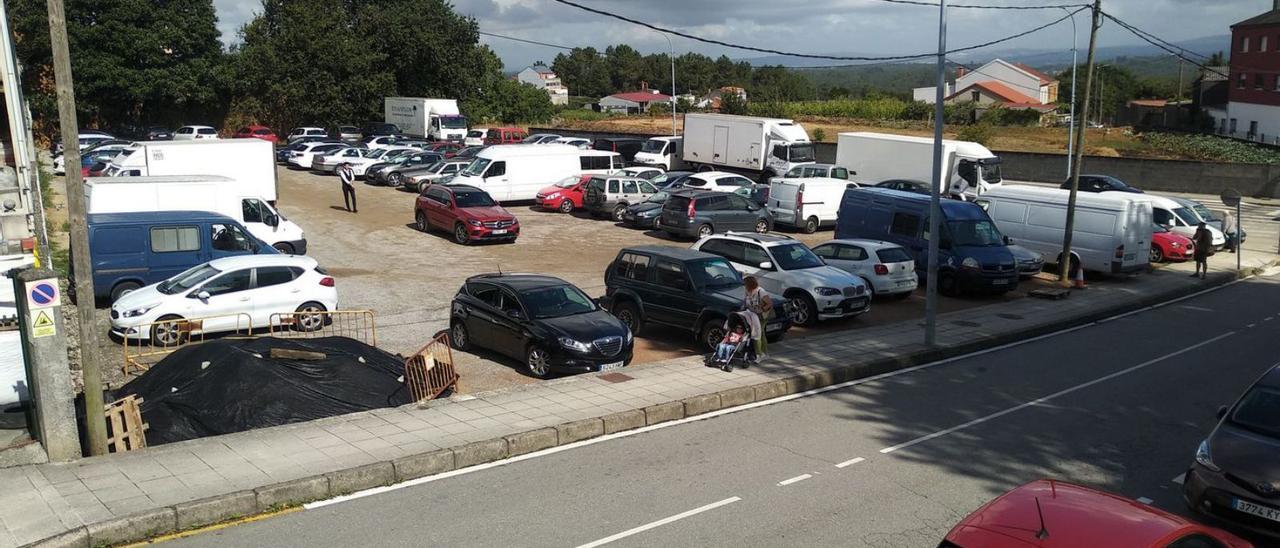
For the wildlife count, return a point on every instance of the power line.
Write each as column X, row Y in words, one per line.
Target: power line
column 534, row 42
column 1178, row 52
column 806, row 55
column 986, row 7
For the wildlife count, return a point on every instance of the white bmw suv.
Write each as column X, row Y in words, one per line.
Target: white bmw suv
column 787, row 267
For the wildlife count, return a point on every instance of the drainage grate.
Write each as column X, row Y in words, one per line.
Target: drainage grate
column 615, row 377
column 1010, row 316
column 966, row 324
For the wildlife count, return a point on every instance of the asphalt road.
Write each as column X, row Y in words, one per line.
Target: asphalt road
column 890, row 462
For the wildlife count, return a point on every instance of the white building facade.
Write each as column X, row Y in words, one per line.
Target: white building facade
column 541, row 77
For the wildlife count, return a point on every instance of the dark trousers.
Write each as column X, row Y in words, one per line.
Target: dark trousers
column 349, row 197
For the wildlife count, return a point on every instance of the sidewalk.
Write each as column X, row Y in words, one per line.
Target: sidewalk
column 130, row 497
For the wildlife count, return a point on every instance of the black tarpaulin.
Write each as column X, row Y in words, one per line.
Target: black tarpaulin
column 231, row 385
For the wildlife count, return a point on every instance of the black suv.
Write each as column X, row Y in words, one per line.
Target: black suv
column 683, row 288
column 545, row 321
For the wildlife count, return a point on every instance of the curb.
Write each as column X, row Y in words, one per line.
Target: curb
column 222, row 508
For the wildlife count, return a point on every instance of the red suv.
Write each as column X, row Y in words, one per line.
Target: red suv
column 504, row 136
column 257, row 132
column 467, row 212
column 565, row 195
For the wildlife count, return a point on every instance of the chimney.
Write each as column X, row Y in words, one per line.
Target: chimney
column 961, row 71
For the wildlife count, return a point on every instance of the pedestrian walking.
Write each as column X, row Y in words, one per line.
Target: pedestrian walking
column 757, row 301
column 348, row 178
column 1229, row 228
column 1204, row 248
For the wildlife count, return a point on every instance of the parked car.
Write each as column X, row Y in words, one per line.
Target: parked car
column 518, row 172
column 722, row 181
column 670, row 180
column 257, row 132
column 144, row 133
column 107, row 148
column 1029, row 262
column 359, row 158
column 328, row 163
column 392, row 158
column 379, row 141
column 469, row 151
column 806, row 203
column 1209, row 217
column 466, row 212
column 811, row 171
column 305, row 131
column 229, row 294
column 1181, row 219
column 85, row 139
column 647, row 173
column 885, row 267
column 448, row 148
column 539, row 139
column 578, row 142
column 687, row 289
column 475, row 136
column 304, row 157
column 350, row 134
column 504, row 136
column 1101, row 183
column 397, row 175
column 1049, row 514
column 1236, row 473
column 646, row 214
column 905, row 185
column 785, row 266
column 422, row 177
column 625, row 146
column 691, row 213
column 610, row 195
column 188, row 133
column 564, row 196
column 547, row 323
column 283, row 154
column 1167, row 246
column 379, row 129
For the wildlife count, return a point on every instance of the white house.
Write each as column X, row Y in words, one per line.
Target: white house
column 633, row 102
column 1019, row 77
column 542, row 77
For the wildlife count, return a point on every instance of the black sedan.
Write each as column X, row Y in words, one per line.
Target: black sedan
column 1101, row 183
column 646, row 214
column 547, row 323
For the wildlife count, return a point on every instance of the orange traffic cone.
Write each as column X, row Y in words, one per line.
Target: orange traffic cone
column 1079, row 276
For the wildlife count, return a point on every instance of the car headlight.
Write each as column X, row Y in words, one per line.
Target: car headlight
column 474, row 222
column 827, row 291
column 970, row 262
column 648, row 213
column 553, row 195
column 1204, row 458
column 577, row 345
column 629, row 337
column 138, row 311
column 1175, row 244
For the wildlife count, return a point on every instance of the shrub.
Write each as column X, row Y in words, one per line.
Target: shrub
column 819, row 135
column 1211, row 148
column 978, row 133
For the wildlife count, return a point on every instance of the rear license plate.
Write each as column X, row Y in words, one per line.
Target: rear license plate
column 611, row 366
column 1256, row 509
column 1000, row 282
column 499, row 231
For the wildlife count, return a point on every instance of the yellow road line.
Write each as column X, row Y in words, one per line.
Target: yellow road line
column 215, row 527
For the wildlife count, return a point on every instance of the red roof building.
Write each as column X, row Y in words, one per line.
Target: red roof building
column 633, row 102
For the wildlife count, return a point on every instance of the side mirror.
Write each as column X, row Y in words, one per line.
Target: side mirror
column 766, row 265
column 1222, row 412
column 202, row 295
column 272, row 220
column 515, row 314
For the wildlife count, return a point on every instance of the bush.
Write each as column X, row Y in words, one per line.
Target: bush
column 978, row 133
column 819, row 135
column 1211, row 148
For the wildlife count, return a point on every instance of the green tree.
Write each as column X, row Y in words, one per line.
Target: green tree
column 584, row 72
column 429, row 49
column 771, row 84
column 732, row 103
column 627, row 68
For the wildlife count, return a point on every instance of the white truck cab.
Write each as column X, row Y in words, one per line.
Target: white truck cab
column 664, row 152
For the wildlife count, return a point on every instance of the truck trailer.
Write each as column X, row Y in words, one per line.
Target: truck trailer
column 763, row 147
column 437, row 119
column 968, row 168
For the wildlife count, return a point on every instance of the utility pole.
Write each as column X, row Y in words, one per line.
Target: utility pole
column 95, row 421
column 935, row 206
column 1064, row 260
column 1075, row 68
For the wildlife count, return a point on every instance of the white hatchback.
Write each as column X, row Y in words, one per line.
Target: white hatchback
column 227, row 294
column 887, row 268
column 191, row 133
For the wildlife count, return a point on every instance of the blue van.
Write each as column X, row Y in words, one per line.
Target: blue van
column 131, row 250
column 972, row 254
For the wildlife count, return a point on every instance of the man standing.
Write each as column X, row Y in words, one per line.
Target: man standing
column 1204, row 247
column 1229, row 229
column 348, row 177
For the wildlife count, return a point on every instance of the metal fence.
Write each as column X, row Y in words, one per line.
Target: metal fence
column 159, row 339
column 429, row 372
column 354, row 324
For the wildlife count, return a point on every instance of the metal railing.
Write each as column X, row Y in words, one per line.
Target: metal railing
column 429, row 372
column 354, row 324
column 155, row 340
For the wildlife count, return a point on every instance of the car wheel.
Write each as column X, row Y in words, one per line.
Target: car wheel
column 810, row 225
column 566, row 206
column 167, row 331
column 803, row 310
column 871, row 288
column 762, row 226
column 538, row 361
column 459, row 336
column 704, row 231
column 309, row 317
column 396, row 179
column 284, row 247
column 422, row 187
column 420, row 221
column 1157, row 256
column 629, row 316
column 657, row 223
column 123, row 288
column 712, row 333
column 618, row 212
column 460, row 234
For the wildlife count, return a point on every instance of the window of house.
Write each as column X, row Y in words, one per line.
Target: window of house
column 1244, row 44
column 1257, row 81
column 1233, row 125
column 1253, row 127
column 1262, row 44
column 1241, row 80
column 975, row 96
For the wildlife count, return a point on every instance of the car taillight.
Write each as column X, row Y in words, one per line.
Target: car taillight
column 882, row 269
column 326, row 281
column 800, row 200
column 692, row 211
column 1120, row 252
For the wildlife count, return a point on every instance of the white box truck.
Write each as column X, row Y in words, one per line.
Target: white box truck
column 767, row 147
column 664, row 152
column 437, row 119
column 875, row 157
column 250, row 162
column 211, row 193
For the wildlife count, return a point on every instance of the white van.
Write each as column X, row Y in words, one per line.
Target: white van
column 518, row 172
column 211, row 193
column 1112, row 231
column 1180, row 219
column 806, row 203
column 666, row 152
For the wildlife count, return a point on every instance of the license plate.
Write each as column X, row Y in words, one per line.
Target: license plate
column 499, row 231
column 1256, row 509
column 1000, row 282
column 611, row 366
column 905, row 282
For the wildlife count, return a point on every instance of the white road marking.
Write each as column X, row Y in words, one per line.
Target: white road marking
column 1057, row 394
column 1251, row 325
column 1268, row 318
column 850, row 462
column 796, row 479
column 713, row 414
column 1196, row 308
column 660, row 523
column 1145, row 500
column 1178, row 479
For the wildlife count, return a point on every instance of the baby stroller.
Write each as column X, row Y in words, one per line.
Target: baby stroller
column 744, row 353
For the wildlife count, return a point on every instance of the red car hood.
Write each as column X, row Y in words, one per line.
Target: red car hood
column 490, row 213
column 1169, row 237
column 557, row 188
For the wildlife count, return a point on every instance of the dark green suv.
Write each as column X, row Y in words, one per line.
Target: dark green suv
column 683, row 288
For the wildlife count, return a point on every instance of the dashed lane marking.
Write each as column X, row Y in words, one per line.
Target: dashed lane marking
column 850, row 462
column 796, row 479
column 660, row 523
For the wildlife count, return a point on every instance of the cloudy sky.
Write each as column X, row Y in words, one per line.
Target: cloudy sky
column 867, row 27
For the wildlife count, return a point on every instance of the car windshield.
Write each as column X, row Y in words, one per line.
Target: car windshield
column 714, row 274
column 653, row 146
column 1204, row 212
column 453, row 122
column 556, row 302
column 473, row 198
column 569, row 182
column 1259, row 412
column 476, row 167
column 374, row 153
column 475, row 133
column 803, row 153
column 974, row 233
column 991, row 172
column 188, row 279
column 1187, row 216
column 1155, row 228
column 794, row 257
column 658, row 198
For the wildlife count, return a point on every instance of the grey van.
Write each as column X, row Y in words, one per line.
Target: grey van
column 693, row 213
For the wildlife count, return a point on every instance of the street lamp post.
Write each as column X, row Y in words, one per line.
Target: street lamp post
column 672, row 53
column 1071, row 128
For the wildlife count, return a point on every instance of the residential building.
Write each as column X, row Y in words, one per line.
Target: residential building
column 542, row 77
column 1038, row 87
column 632, row 102
column 1209, row 93
column 1253, row 86
column 712, row 100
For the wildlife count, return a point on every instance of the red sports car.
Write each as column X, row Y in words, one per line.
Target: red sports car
column 1168, row 246
column 565, row 195
column 1053, row 514
column 466, row 212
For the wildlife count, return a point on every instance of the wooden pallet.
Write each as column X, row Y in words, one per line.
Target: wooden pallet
column 125, row 429
column 1052, row 294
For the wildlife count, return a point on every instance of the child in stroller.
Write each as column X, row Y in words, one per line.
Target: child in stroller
column 737, row 347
